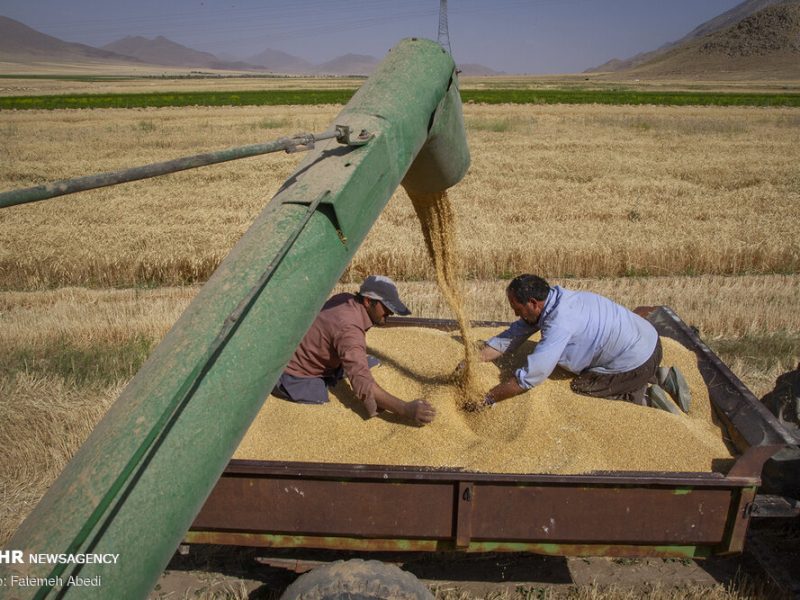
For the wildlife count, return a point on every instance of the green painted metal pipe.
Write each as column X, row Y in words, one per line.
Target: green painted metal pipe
column 132, row 490
column 91, row 182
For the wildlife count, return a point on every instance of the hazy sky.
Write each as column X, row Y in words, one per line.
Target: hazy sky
column 514, row 36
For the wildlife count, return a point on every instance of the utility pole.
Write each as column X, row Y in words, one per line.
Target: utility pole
column 444, row 36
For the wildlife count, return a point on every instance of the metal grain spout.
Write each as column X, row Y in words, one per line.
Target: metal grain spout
column 443, row 160
column 134, row 487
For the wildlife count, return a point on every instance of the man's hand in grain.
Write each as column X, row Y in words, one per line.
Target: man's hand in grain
column 420, row 411
column 478, row 405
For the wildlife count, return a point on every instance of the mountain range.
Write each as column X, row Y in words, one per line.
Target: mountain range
column 754, row 39
column 757, row 38
column 20, row 43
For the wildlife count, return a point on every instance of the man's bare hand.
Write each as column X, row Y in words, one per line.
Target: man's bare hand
column 475, row 405
column 371, row 406
column 420, row 411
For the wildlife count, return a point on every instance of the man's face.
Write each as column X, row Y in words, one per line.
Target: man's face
column 527, row 311
column 377, row 311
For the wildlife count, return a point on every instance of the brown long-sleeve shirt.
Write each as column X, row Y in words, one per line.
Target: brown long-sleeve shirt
column 337, row 338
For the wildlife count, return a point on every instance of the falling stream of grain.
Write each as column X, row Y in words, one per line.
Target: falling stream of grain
column 438, row 228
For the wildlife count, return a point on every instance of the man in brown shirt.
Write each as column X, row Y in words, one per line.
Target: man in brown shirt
column 336, row 346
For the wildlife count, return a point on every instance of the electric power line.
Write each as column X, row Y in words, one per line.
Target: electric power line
column 444, row 36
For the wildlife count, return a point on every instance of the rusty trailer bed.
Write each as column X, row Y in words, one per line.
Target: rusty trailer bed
column 391, row 508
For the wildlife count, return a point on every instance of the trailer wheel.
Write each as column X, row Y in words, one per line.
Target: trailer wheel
column 357, row 580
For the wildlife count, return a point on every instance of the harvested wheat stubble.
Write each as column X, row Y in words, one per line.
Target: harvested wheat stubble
column 546, row 430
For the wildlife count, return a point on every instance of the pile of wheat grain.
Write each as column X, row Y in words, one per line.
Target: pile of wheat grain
column 546, row 430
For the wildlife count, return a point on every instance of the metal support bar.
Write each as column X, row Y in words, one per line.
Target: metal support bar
column 739, row 520
column 300, row 142
column 466, row 491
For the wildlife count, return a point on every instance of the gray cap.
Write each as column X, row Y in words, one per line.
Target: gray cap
column 382, row 288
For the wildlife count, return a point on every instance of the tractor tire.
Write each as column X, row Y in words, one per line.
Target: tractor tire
column 357, row 580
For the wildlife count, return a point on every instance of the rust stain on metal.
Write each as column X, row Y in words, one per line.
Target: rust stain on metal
column 385, row 545
column 265, row 540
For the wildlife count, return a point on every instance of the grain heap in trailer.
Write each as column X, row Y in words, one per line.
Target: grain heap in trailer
column 156, row 471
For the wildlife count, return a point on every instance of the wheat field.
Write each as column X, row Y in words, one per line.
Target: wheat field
column 565, row 191
column 81, row 78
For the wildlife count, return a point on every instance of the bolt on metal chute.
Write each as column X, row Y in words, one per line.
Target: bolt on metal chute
column 138, row 481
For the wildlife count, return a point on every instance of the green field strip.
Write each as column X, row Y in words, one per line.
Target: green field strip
column 342, row 96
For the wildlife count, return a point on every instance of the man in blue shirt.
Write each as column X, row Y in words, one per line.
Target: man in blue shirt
column 613, row 351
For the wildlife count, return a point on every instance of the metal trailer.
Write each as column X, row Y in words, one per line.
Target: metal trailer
column 627, row 514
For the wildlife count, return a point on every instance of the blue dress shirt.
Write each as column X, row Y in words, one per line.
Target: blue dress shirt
column 580, row 331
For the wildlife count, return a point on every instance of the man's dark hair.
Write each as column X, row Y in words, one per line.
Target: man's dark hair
column 528, row 287
column 360, row 299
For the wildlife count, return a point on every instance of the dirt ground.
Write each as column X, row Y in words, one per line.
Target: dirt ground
column 477, row 576
column 226, row 572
